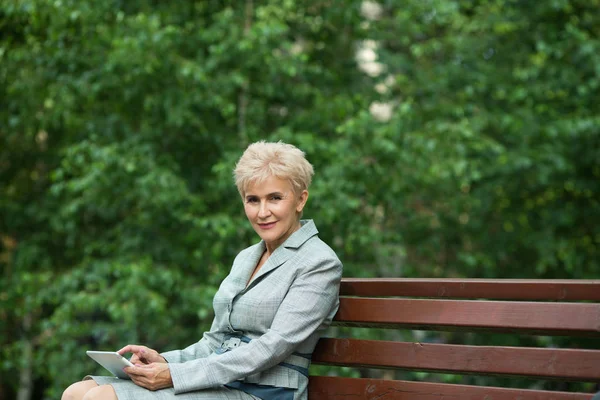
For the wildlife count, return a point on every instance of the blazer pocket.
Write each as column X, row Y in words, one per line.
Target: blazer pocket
column 276, row 376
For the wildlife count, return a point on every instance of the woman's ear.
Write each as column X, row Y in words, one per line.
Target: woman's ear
column 302, row 201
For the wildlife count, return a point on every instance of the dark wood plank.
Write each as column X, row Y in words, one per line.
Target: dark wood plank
column 508, row 289
column 335, row 388
column 500, row 316
column 564, row 364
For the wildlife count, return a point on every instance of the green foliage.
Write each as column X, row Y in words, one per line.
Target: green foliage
column 121, row 121
column 497, row 128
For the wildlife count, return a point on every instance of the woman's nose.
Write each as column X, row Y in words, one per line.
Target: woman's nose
column 263, row 210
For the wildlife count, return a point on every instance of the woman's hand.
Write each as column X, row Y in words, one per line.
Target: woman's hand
column 142, row 354
column 152, row 376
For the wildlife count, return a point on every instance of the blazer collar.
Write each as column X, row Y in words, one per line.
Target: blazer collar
column 285, row 250
column 307, row 230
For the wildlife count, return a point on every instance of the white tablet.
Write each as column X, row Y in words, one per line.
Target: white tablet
column 112, row 361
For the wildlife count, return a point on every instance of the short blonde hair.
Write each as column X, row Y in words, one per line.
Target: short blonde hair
column 262, row 160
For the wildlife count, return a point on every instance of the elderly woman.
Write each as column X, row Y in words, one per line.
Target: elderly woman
column 278, row 298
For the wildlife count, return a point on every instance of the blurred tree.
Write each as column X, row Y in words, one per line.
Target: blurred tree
column 449, row 139
column 494, row 140
column 120, row 123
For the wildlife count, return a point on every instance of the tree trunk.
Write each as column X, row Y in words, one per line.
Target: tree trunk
column 26, row 374
column 243, row 95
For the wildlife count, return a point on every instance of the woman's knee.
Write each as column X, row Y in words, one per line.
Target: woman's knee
column 77, row 390
column 102, row 392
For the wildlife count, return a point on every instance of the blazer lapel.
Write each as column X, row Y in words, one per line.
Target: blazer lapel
column 250, row 264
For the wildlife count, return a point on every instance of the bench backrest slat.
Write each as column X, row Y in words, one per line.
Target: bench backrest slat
column 333, row 388
column 509, row 289
column 499, row 316
column 464, row 307
column 567, row 364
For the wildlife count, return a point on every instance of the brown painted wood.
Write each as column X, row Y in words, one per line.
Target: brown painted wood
column 334, row 388
column 509, row 289
column 456, row 304
column 501, row 316
column 565, row 364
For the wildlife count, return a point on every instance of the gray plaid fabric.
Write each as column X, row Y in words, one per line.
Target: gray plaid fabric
column 126, row 390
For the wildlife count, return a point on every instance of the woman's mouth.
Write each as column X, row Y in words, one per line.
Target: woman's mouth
column 267, row 225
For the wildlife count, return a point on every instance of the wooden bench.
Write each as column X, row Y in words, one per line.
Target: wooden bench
column 557, row 311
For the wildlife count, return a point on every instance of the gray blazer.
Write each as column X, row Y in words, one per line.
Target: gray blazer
column 279, row 317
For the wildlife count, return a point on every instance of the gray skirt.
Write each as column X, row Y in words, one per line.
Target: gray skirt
column 127, row 390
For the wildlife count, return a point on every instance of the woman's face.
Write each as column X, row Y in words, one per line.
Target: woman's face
column 272, row 208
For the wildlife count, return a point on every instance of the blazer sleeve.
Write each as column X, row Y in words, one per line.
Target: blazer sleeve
column 310, row 303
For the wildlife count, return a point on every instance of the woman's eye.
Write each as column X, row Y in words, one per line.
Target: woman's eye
column 276, row 198
column 251, row 200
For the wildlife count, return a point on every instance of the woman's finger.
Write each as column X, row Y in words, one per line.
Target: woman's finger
column 130, row 348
